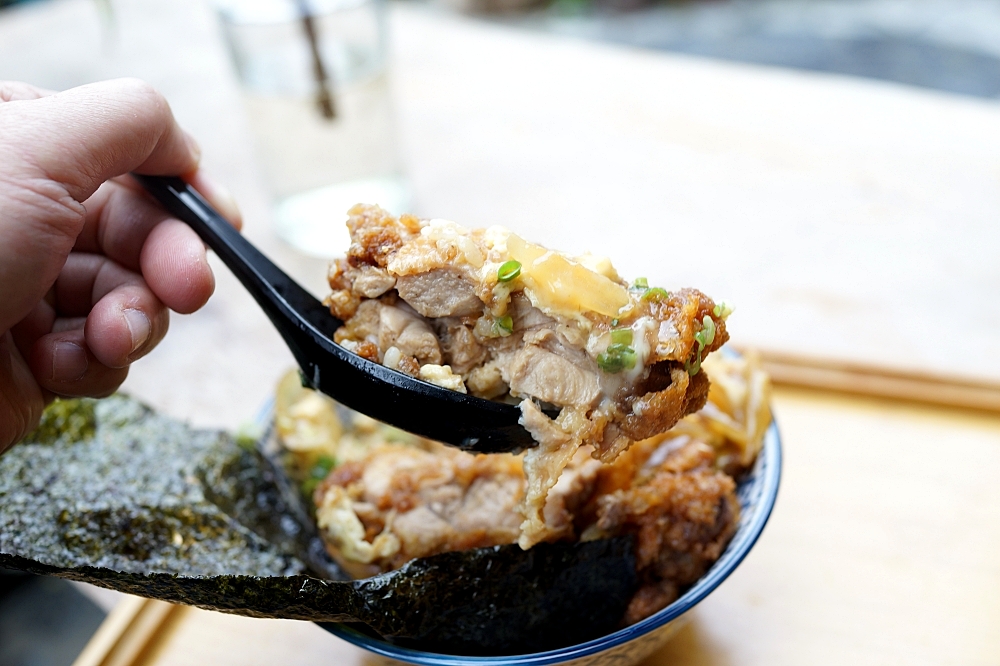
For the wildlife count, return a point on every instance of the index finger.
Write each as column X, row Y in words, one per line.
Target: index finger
column 57, row 150
column 84, row 136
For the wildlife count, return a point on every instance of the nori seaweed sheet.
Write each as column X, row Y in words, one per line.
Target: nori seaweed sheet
column 126, row 492
column 111, row 493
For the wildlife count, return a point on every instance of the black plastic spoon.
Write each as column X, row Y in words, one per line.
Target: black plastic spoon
column 470, row 423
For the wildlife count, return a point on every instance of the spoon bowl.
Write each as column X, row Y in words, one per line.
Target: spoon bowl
column 307, row 326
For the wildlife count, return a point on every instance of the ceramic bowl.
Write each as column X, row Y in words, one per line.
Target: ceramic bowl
column 757, row 493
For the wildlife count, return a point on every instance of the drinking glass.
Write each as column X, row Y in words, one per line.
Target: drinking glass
column 315, row 82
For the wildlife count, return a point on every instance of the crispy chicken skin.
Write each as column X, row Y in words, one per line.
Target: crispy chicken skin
column 413, row 502
column 430, row 298
column 681, row 509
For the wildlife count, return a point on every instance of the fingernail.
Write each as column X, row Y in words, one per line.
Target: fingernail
column 138, row 327
column 193, row 147
column 69, row 362
column 222, row 198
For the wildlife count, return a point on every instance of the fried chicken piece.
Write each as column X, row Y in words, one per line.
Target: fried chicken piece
column 401, row 502
column 683, row 513
column 621, row 362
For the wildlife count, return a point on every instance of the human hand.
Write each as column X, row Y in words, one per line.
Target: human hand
column 89, row 266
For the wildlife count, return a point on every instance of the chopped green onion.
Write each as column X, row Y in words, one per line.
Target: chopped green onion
column 656, row 294
column 610, row 363
column 494, row 327
column 614, row 322
column 322, row 467
column 509, row 270
column 616, row 358
column 704, row 338
column 503, row 326
column 319, row 472
column 708, row 330
column 723, row 309
column 640, row 283
column 622, row 336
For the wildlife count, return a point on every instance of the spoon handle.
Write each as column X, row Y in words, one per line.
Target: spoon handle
column 285, row 302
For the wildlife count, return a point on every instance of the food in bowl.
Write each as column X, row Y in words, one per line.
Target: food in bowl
column 382, row 497
column 489, row 313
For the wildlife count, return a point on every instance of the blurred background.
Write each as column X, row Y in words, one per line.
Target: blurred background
column 832, row 166
column 949, row 45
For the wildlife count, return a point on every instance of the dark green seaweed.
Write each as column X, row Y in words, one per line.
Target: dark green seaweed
column 110, row 493
column 484, row 601
column 131, row 497
column 488, row 600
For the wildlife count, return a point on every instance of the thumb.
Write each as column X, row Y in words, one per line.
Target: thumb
column 56, row 151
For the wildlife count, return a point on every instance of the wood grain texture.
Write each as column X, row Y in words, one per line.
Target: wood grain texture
column 126, row 635
column 861, row 379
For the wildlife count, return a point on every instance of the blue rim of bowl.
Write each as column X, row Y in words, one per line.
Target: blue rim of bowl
column 752, row 522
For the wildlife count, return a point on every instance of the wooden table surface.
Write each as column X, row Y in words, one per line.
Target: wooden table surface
column 884, row 547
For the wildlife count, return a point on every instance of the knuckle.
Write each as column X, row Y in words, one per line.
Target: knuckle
column 47, row 204
column 147, row 95
column 137, row 86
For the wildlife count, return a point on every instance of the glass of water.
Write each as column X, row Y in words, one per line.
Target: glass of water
column 315, row 81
